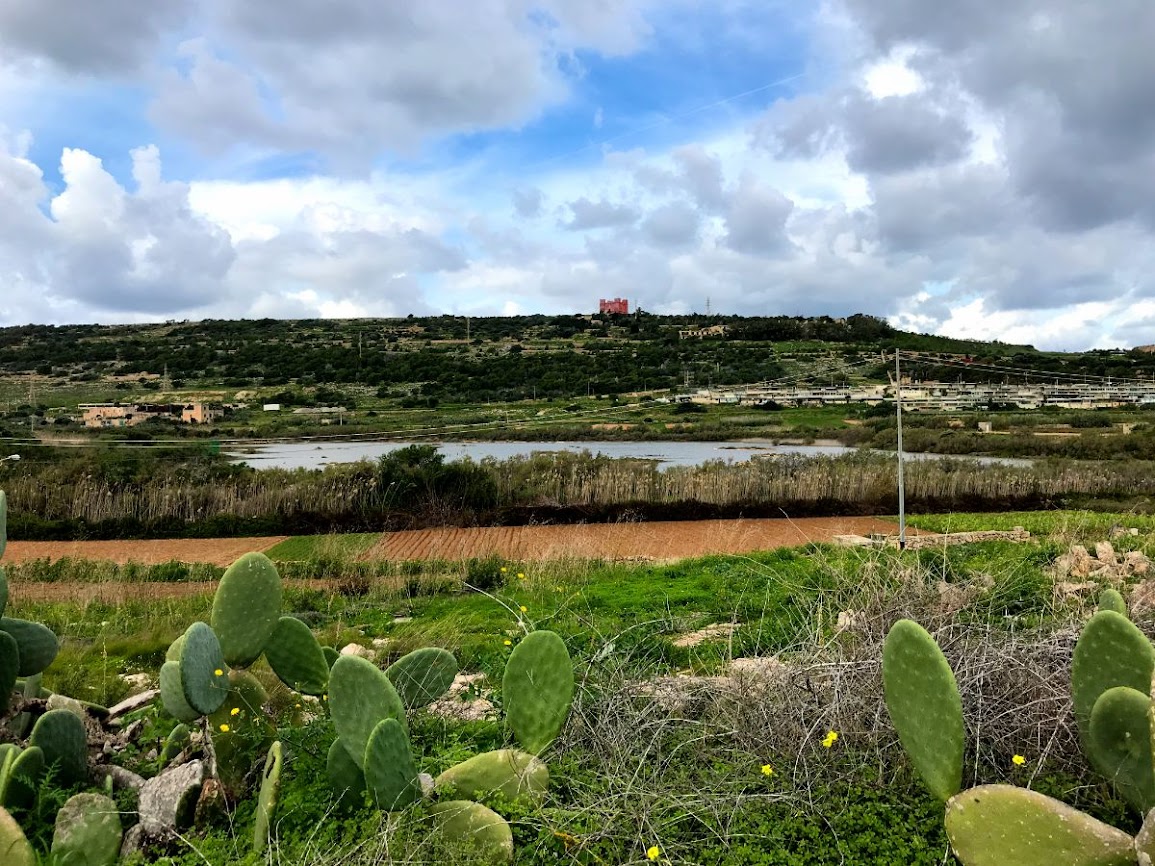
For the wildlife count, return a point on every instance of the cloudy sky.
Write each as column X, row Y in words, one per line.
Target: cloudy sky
column 969, row 167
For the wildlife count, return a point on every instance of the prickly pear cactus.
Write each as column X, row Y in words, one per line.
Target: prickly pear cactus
column 1111, row 599
column 513, row 774
column 537, row 689
column 422, row 676
column 9, row 669
column 998, row 825
column 295, row 656
column 1110, row 652
column 1120, row 744
column 88, row 832
column 15, row 850
column 267, row 800
column 240, row 732
column 3, row 524
column 345, row 777
column 3, row 592
column 62, row 738
column 390, row 772
column 460, row 822
column 20, row 772
column 1145, row 841
column 203, row 673
column 331, row 656
column 174, row 744
column 246, row 608
column 924, row 704
column 360, row 698
column 172, row 694
column 38, row 644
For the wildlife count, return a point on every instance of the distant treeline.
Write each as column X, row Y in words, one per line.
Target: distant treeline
column 134, row 497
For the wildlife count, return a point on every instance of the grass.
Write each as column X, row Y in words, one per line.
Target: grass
column 1061, row 526
column 630, row 773
column 303, row 547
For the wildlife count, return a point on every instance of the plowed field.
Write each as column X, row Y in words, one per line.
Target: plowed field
column 216, row 551
column 658, row 540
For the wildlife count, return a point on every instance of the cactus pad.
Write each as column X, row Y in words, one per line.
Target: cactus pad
column 240, row 731
column 9, row 669
column 1119, row 744
column 15, row 849
column 174, row 744
column 390, row 772
column 345, row 777
column 3, row 522
column 997, row 825
column 202, row 669
column 482, row 829
column 88, row 832
column 1145, row 841
column 246, row 608
column 513, row 774
column 538, row 689
column 331, row 656
column 924, row 704
column 295, row 656
column 267, row 800
column 3, row 592
column 422, row 676
column 21, row 777
column 1111, row 599
column 172, row 694
column 172, row 654
column 1111, row 652
column 360, row 698
column 38, row 644
column 62, row 738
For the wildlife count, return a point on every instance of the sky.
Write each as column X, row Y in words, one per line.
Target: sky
column 974, row 168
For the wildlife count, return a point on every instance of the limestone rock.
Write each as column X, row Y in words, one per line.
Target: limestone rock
column 355, row 649
column 463, row 700
column 132, row 703
column 168, row 801
column 1105, row 553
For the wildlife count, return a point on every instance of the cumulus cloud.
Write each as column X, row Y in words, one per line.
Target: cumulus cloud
column 601, row 214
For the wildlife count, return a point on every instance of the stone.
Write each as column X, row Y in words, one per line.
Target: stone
column 63, row 702
column 1067, row 589
column 848, row 620
column 355, row 649
column 1142, row 599
column 457, row 702
column 1079, row 561
column 168, row 801
column 427, row 784
column 139, row 681
column 1136, row 563
column 760, row 671
column 132, row 703
column 134, row 842
column 717, row 631
column 1105, row 553
column 122, row 779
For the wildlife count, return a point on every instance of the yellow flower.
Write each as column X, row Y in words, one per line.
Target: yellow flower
column 218, row 673
column 508, row 643
column 504, row 569
column 235, row 711
column 520, row 576
column 523, row 608
column 830, row 739
column 767, row 770
column 224, row 729
column 653, row 852
column 1018, row 760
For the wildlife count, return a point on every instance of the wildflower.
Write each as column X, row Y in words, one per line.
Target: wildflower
column 1018, row 760
column 235, row 711
column 218, row 673
column 508, row 642
column 767, row 770
column 830, row 739
column 521, row 575
column 224, row 729
column 523, row 609
column 653, row 852
column 504, row 569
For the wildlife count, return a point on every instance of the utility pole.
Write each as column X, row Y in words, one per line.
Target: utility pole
column 901, row 486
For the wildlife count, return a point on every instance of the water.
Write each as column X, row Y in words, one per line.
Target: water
column 313, row 455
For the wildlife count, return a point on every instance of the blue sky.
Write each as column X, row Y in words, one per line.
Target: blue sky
column 203, row 158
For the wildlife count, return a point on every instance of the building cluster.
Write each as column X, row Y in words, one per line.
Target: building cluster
column 614, row 305
column 940, row 396
column 702, row 333
column 132, row 414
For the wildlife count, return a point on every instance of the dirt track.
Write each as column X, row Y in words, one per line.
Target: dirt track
column 657, row 540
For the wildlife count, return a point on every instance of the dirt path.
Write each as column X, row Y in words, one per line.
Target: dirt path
column 216, row 551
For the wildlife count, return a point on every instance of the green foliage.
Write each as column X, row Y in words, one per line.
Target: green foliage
column 20, row 772
column 995, row 825
column 268, row 797
column 203, row 675
column 240, row 732
column 176, row 741
column 537, row 689
column 38, row 644
column 1119, row 744
column 390, row 771
column 3, row 532
column 61, row 737
column 422, row 676
column 296, row 657
column 1110, row 652
column 923, row 699
column 246, row 608
column 9, row 669
column 360, row 698
column 344, row 775
column 88, row 832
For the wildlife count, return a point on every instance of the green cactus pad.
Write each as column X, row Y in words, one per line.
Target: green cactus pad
column 1119, row 744
column 422, row 676
column 360, row 698
column 21, row 778
column 1000, row 825
column 925, row 707
column 1110, row 652
column 331, row 656
column 15, row 849
column 1111, row 599
column 390, row 772
column 38, row 644
column 174, row 744
column 172, row 694
column 241, row 732
column 537, row 689
column 246, row 608
column 3, row 522
column 203, row 673
column 483, row 830
column 88, row 832
column 345, row 777
column 267, row 799
column 172, row 654
column 62, row 738
column 9, row 669
column 513, row 774
column 295, row 656
column 1145, row 841
column 3, row 592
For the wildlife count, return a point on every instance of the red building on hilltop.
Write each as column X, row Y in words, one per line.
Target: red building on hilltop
column 616, row 305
